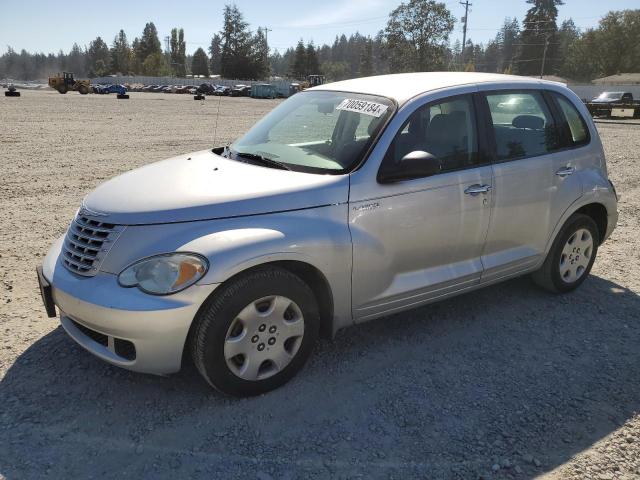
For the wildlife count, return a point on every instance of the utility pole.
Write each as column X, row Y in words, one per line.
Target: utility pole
column 166, row 43
column 547, row 37
column 266, row 39
column 464, row 27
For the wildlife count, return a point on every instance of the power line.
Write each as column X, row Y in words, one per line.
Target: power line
column 331, row 24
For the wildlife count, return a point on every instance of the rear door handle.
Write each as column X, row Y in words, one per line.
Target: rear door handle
column 565, row 171
column 477, row 189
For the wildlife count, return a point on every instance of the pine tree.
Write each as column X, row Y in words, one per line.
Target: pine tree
column 366, row 59
column 312, row 66
column 507, row 38
column 148, row 44
column 236, row 45
column 200, row 63
column 97, row 58
column 120, row 54
column 539, row 29
column 260, row 56
column 74, row 61
column 215, row 54
column 299, row 64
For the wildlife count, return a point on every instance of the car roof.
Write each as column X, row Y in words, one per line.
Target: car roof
column 404, row 86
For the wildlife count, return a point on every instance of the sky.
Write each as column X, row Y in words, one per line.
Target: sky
column 48, row 26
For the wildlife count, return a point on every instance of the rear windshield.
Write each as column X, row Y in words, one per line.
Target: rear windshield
column 610, row 96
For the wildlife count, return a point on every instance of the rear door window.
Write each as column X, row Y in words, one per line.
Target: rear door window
column 522, row 123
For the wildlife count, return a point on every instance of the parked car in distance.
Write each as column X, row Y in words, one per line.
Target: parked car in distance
column 206, row 89
column 241, row 91
column 222, row 90
column 610, row 104
column 613, row 97
column 105, row 89
column 347, row 202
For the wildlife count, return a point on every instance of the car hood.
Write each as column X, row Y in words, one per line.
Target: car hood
column 206, row 186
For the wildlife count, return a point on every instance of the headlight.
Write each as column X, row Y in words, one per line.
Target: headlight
column 164, row 274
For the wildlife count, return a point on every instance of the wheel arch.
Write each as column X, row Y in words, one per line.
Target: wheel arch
column 599, row 203
column 598, row 212
column 307, row 272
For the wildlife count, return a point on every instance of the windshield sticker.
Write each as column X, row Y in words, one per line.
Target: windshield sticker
column 362, row 106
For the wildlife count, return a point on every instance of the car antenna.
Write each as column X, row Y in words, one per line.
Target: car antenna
column 215, row 127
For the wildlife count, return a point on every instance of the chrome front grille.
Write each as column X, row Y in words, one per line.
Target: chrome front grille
column 87, row 242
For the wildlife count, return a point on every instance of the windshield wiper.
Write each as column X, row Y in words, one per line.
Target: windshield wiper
column 269, row 162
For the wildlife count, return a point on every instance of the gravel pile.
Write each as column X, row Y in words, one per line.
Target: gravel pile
column 506, row 382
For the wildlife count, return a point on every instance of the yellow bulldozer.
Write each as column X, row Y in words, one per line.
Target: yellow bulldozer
column 65, row 82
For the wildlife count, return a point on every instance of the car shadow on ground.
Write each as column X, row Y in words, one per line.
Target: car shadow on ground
column 507, row 376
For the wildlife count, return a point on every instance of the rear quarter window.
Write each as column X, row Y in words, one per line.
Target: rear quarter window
column 577, row 125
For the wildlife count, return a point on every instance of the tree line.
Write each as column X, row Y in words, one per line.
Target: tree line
column 415, row 38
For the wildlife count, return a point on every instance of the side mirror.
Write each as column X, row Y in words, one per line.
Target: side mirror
column 416, row 164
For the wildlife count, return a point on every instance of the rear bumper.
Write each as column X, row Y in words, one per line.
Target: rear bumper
column 99, row 314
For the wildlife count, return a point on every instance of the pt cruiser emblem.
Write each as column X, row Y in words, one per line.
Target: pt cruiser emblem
column 366, row 206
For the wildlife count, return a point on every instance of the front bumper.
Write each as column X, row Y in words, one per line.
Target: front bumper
column 102, row 316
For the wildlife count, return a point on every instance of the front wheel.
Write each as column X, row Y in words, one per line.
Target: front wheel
column 571, row 257
column 256, row 333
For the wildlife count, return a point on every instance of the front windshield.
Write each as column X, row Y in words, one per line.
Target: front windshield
column 610, row 96
column 317, row 131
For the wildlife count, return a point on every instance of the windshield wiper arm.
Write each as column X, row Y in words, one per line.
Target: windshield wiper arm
column 269, row 162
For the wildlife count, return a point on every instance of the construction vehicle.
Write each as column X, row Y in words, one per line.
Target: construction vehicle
column 315, row 80
column 311, row 81
column 65, row 82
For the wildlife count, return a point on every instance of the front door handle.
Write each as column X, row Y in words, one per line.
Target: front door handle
column 565, row 171
column 477, row 189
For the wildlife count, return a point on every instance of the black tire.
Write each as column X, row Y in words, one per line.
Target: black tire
column 11, row 94
column 217, row 314
column 548, row 276
column 123, row 96
column 83, row 90
column 63, row 89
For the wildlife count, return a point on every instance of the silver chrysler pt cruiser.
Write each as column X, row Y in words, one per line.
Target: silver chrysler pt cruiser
column 347, row 202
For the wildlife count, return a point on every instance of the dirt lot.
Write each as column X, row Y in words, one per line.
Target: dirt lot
column 506, row 382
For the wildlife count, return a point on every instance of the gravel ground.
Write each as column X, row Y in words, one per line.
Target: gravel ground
column 505, row 382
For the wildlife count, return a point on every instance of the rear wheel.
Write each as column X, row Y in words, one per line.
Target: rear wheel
column 571, row 256
column 63, row 89
column 255, row 333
